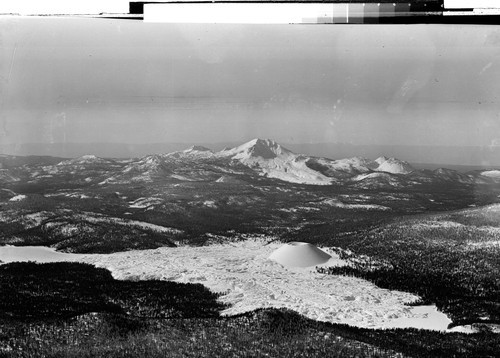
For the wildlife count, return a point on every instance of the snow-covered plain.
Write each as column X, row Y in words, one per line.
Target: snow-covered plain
column 10, row 253
column 250, row 280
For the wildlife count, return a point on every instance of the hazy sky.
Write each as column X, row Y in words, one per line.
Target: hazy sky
column 97, row 80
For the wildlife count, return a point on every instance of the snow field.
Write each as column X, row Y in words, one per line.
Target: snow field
column 495, row 174
column 41, row 254
column 19, row 197
column 249, row 280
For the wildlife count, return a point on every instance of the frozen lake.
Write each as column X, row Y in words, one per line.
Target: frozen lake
column 250, row 280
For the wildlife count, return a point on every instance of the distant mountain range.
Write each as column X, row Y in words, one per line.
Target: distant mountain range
column 457, row 157
column 258, row 158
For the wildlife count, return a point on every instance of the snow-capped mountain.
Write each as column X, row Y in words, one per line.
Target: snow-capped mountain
column 258, row 148
column 141, row 170
column 268, row 158
column 90, row 163
column 149, row 163
column 249, row 161
column 392, row 165
column 194, row 152
column 274, row 161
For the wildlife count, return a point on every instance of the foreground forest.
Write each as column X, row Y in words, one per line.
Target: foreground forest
column 76, row 310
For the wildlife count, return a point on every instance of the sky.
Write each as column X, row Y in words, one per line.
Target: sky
column 80, row 80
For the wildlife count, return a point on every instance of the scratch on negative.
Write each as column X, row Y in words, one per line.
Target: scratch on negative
column 12, row 63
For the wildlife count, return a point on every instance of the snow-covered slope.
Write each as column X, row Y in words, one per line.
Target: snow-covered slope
column 393, row 165
column 260, row 157
column 85, row 160
column 86, row 166
column 371, row 176
column 358, row 167
column 375, row 180
column 274, row 161
column 259, row 148
column 452, row 175
column 493, row 174
column 340, row 168
column 194, row 152
column 140, row 170
column 299, row 254
column 7, row 177
column 380, row 160
column 229, row 180
column 193, row 164
column 147, row 166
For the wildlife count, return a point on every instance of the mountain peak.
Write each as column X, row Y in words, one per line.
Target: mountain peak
column 197, row 148
column 193, row 152
column 275, row 161
column 264, row 148
column 260, row 141
column 381, row 160
column 84, row 159
column 89, row 157
column 393, row 165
